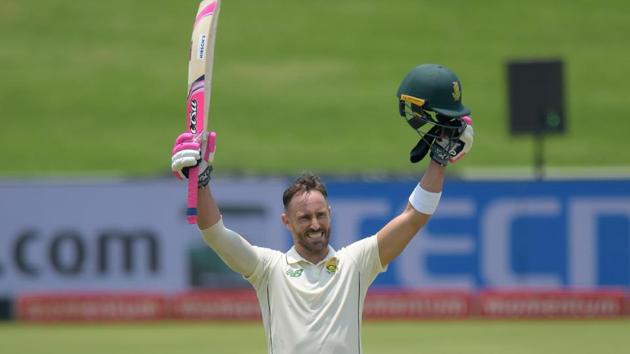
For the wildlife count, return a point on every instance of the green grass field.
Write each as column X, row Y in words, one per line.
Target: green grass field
column 99, row 87
column 435, row 337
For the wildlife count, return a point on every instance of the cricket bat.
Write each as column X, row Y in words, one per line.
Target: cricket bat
column 199, row 87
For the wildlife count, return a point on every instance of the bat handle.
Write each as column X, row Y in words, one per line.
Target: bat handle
column 193, row 185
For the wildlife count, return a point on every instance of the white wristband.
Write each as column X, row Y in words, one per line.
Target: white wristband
column 424, row 201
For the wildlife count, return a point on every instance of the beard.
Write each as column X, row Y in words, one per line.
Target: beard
column 314, row 242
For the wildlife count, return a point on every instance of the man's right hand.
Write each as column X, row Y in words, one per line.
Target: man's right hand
column 194, row 150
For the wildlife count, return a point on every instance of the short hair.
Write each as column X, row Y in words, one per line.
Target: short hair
column 306, row 182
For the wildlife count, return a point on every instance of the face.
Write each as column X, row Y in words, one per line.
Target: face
column 308, row 219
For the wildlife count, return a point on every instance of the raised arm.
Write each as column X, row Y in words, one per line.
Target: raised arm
column 396, row 235
column 208, row 210
column 233, row 249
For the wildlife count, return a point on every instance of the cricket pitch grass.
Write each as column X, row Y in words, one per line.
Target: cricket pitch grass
column 435, row 337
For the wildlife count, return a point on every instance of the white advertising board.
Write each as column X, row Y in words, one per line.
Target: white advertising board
column 118, row 236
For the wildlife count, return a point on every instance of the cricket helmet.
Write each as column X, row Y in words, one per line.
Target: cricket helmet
column 430, row 100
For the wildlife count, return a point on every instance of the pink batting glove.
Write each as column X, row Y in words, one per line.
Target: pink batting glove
column 188, row 152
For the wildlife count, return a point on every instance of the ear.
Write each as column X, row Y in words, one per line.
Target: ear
column 285, row 220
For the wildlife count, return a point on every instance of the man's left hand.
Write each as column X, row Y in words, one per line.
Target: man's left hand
column 444, row 150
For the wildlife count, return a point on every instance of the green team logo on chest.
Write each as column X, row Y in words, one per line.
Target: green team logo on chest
column 295, row 273
column 331, row 265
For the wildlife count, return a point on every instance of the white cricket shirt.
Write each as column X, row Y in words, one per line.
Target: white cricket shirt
column 315, row 308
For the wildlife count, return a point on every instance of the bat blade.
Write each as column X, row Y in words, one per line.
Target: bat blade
column 200, row 63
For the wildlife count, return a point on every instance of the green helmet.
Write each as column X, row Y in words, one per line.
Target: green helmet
column 435, row 88
column 430, row 100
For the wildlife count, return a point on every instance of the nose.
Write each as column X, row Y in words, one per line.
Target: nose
column 314, row 224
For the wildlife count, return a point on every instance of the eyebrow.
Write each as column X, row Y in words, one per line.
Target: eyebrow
column 318, row 211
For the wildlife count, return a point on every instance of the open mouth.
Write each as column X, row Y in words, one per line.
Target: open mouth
column 315, row 236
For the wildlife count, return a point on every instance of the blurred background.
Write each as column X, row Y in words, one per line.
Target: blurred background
column 92, row 96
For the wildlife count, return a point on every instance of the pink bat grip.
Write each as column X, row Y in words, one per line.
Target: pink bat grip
column 193, row 186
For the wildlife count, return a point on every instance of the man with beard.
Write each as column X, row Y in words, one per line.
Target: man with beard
column 312, row 296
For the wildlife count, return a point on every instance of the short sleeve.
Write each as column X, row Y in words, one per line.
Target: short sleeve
column 366, row 255
column 266, row 259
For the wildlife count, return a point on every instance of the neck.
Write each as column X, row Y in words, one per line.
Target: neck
column 310, row 256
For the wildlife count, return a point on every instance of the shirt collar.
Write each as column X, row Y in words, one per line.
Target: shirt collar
column 294, row 257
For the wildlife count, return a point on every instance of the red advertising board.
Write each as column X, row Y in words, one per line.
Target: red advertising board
column 221, row 304
column 242, row 304
column 415, row 304
column 548, row 304
column 92, row 307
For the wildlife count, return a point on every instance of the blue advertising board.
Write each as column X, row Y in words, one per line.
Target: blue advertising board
column 128, row 236
column 498, row 234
